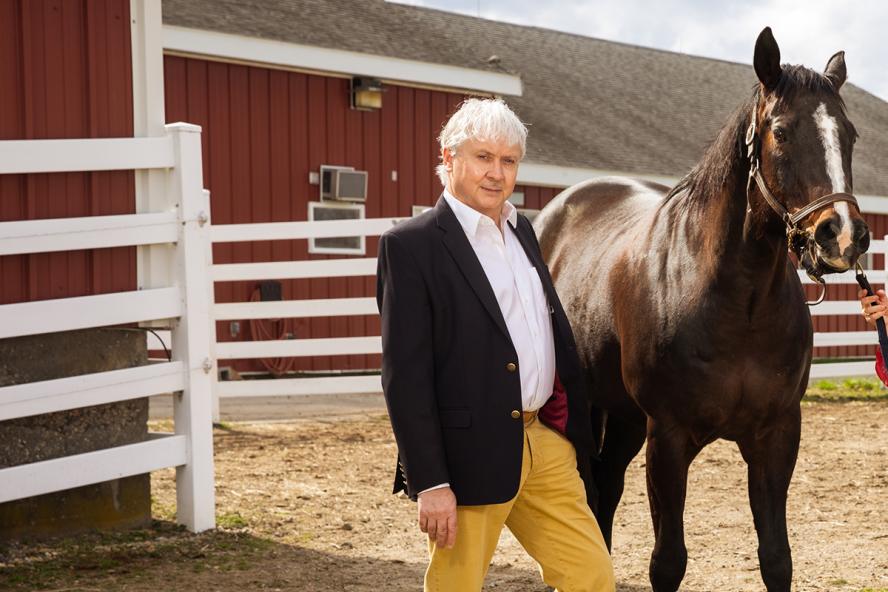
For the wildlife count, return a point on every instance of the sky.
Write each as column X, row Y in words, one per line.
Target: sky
column 808, row 31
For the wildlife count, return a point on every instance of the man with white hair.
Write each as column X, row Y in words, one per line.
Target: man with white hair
column 481, row 376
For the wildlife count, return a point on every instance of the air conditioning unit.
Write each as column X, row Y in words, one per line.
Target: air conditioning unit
column 343, row 184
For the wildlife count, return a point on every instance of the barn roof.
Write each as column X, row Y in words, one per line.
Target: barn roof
column 590, row 103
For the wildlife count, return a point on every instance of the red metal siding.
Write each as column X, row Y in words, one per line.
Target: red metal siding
column 65, row 72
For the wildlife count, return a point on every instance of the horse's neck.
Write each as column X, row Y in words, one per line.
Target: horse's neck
column 745, row 245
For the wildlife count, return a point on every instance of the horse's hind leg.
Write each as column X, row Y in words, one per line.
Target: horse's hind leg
column 669, row 454
column 771, row 456
column 622, row 440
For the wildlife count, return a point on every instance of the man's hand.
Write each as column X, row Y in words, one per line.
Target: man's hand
column 874, row 307
column 437, row 516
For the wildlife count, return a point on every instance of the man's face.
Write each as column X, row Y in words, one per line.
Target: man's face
column 482, row 174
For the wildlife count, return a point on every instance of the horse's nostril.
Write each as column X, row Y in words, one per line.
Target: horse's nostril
column 826, row 233
column 860, row 235
column 860, row 231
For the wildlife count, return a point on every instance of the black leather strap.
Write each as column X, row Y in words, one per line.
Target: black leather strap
column 821, row 202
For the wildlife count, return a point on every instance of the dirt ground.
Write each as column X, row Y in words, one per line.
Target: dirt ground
column 304, row 504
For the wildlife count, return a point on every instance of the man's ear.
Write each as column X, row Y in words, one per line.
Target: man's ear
column 447, row 159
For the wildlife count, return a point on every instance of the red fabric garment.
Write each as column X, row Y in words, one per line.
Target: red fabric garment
column 554, row 412
column 880, row 367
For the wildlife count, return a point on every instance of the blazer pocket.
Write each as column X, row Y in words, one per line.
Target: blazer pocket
column 455, row 418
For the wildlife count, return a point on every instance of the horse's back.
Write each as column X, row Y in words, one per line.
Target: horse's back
column 603, row 208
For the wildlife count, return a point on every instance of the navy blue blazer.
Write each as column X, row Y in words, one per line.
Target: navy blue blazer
column 449, row 366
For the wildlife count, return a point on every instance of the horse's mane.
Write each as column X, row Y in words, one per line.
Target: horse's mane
column 725, row 157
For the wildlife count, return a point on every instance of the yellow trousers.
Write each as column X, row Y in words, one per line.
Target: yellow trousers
column 549, row 516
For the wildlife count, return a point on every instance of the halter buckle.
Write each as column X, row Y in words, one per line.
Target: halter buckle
column 750, row 132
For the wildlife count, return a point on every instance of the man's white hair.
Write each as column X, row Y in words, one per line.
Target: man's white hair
column 481, row 119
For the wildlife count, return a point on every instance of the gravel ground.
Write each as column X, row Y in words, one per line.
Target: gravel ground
column 304, row 504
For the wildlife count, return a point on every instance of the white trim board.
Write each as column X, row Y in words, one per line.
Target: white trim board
column 352, row 63
column 549, row 175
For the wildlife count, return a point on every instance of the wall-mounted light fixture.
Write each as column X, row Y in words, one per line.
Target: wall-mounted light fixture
column 366, row 93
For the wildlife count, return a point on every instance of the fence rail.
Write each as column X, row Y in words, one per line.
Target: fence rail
column 186, row 305
column 105, row 154
column 62, row 394
column 96, row 232
column 83, row 312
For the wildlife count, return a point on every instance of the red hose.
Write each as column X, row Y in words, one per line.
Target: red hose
column 270, row 329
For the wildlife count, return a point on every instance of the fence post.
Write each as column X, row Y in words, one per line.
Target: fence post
column 194, row 332
column 214, row 375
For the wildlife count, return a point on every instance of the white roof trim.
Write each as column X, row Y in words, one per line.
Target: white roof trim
column 549, row 175
column 266, row 51
column 873, row 204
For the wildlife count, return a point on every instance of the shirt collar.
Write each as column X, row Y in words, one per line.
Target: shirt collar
column 469, row 218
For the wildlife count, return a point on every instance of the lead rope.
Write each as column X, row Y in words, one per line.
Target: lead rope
column 880, row 323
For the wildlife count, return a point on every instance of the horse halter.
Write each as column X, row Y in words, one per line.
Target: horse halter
column 797, row 238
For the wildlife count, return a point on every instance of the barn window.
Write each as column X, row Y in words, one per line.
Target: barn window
column 417, row 210
column 339, row 245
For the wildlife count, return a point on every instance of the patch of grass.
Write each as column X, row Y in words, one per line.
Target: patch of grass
column 231, row 520
column 873, row 590
column 839, row 582
column 851, row 389
column 861, row 384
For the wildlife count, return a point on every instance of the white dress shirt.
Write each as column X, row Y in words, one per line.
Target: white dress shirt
column 519, row 293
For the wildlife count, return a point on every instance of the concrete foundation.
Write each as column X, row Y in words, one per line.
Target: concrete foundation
column 122, row 503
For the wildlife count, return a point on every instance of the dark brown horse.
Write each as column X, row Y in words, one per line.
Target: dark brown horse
column 688, row 312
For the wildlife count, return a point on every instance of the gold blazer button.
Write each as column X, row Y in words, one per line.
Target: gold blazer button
column 511, row 366
column 516, row 414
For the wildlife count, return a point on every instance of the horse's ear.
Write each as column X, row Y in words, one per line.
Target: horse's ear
column 836, row 71
column 767, row 59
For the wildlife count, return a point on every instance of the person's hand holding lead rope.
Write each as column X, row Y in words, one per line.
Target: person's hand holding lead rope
column 873, row 307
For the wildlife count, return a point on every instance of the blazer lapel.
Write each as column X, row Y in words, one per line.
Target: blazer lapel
column 460, row 249
column 560, row 325
column 536, row 258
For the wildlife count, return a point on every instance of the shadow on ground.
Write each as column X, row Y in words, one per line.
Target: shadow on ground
column 165, row 555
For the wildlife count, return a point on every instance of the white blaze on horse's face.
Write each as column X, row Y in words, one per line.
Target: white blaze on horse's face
column 828, row 130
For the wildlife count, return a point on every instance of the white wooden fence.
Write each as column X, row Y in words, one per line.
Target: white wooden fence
column 328, row 307
column 367, row 306
column 186, row 303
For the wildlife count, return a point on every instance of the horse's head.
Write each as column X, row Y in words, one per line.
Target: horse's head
column 801, row 140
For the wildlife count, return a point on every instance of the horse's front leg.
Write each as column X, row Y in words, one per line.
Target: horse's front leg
column 669, row 454
column 771, row 455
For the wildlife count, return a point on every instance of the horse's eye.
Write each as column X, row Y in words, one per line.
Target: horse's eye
column 779, row 135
